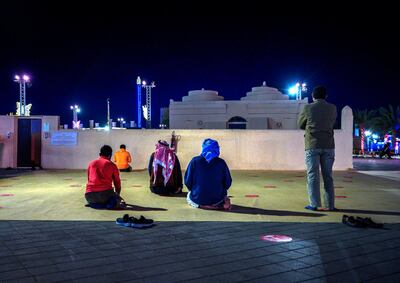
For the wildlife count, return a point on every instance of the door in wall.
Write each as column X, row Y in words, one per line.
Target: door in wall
column 29, row 142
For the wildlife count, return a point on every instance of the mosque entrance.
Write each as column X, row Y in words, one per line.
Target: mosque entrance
column 29, row 142
column 236, row 123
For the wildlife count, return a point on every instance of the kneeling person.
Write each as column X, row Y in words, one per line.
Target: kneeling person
column 102, row 173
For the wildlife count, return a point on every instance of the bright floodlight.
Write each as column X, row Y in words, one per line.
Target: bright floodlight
column 367, row 133
column 375, row 136
column 72, row 107
column 17, row 78
column 143, row 82
column 303, row 85
column 26, row 78
column 76, row 106
column 293, row 90
column 78, row 110
column 297, row 84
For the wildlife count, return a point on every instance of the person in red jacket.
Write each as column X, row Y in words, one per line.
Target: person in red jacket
column 102, row 174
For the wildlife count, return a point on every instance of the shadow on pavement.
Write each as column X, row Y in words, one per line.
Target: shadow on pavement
column 255, row 211
column 368, row 211
column 131, row 207
column 143, row 208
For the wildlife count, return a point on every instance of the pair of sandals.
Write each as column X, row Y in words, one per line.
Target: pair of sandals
column 359, row 222
column 130, row 221
column 314, row 208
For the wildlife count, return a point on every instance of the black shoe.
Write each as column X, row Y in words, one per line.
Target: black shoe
column 368, row 222
column 142, row 222
column 124, row 221
column 352, row 222
column 145, row 220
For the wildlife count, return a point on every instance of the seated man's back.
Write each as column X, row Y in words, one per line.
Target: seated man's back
column 208, row 178
column 208, row 182
column 101, row 173
column 122, row 158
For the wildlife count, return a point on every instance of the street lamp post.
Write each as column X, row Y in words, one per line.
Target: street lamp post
column 24, row 81
column 148, row 102
column 108, row 114
column 75, row 110
column 139, row 101
column 121, row 122
column 298, row 89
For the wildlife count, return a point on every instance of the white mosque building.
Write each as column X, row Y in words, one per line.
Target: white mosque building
column 262, row 108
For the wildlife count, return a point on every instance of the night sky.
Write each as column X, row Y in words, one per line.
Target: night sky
column 83, row 54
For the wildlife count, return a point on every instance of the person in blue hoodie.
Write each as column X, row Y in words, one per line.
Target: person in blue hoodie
column 208, row 179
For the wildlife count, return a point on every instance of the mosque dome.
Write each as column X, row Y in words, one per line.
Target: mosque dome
column 202, row 95
column 264, row 92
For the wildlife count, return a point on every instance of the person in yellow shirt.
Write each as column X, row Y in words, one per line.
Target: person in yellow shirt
column 122, row 158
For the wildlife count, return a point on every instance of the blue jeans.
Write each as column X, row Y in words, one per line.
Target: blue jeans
column 325, row 158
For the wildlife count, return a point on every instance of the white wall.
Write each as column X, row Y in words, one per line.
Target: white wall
column 242, row 149
column 215, row 114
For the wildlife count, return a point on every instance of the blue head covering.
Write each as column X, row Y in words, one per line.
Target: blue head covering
column 210, row 149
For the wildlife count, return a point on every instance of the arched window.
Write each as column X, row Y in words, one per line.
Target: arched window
column 236, row 123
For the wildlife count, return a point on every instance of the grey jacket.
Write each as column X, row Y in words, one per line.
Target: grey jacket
column 318, row 119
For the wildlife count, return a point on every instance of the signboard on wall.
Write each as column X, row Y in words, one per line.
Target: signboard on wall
column 64, row 138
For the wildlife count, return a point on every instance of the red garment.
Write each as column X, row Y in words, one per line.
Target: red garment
column 101, row 174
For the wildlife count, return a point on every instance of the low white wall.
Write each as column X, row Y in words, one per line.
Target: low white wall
column 242, row 149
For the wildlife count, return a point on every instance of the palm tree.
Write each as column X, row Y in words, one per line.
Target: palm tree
column 364, row 119
column 388, row 121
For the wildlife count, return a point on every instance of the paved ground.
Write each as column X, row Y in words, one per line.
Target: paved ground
column 389, row 169
column 376, row 164
column 100, row 251
column 47, row 235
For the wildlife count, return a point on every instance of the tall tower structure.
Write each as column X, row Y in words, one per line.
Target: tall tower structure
column 139, row 102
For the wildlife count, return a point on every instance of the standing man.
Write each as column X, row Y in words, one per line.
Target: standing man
column 122, row 158
column 318, row 119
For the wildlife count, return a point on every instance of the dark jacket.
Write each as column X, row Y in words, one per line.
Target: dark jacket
column 208, row 183
column 318, row 119
column 174, row 182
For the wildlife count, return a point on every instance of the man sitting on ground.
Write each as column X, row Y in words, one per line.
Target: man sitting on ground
column 102, row 173
column 122, row 158
column 165, row 170
column 208, row 179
